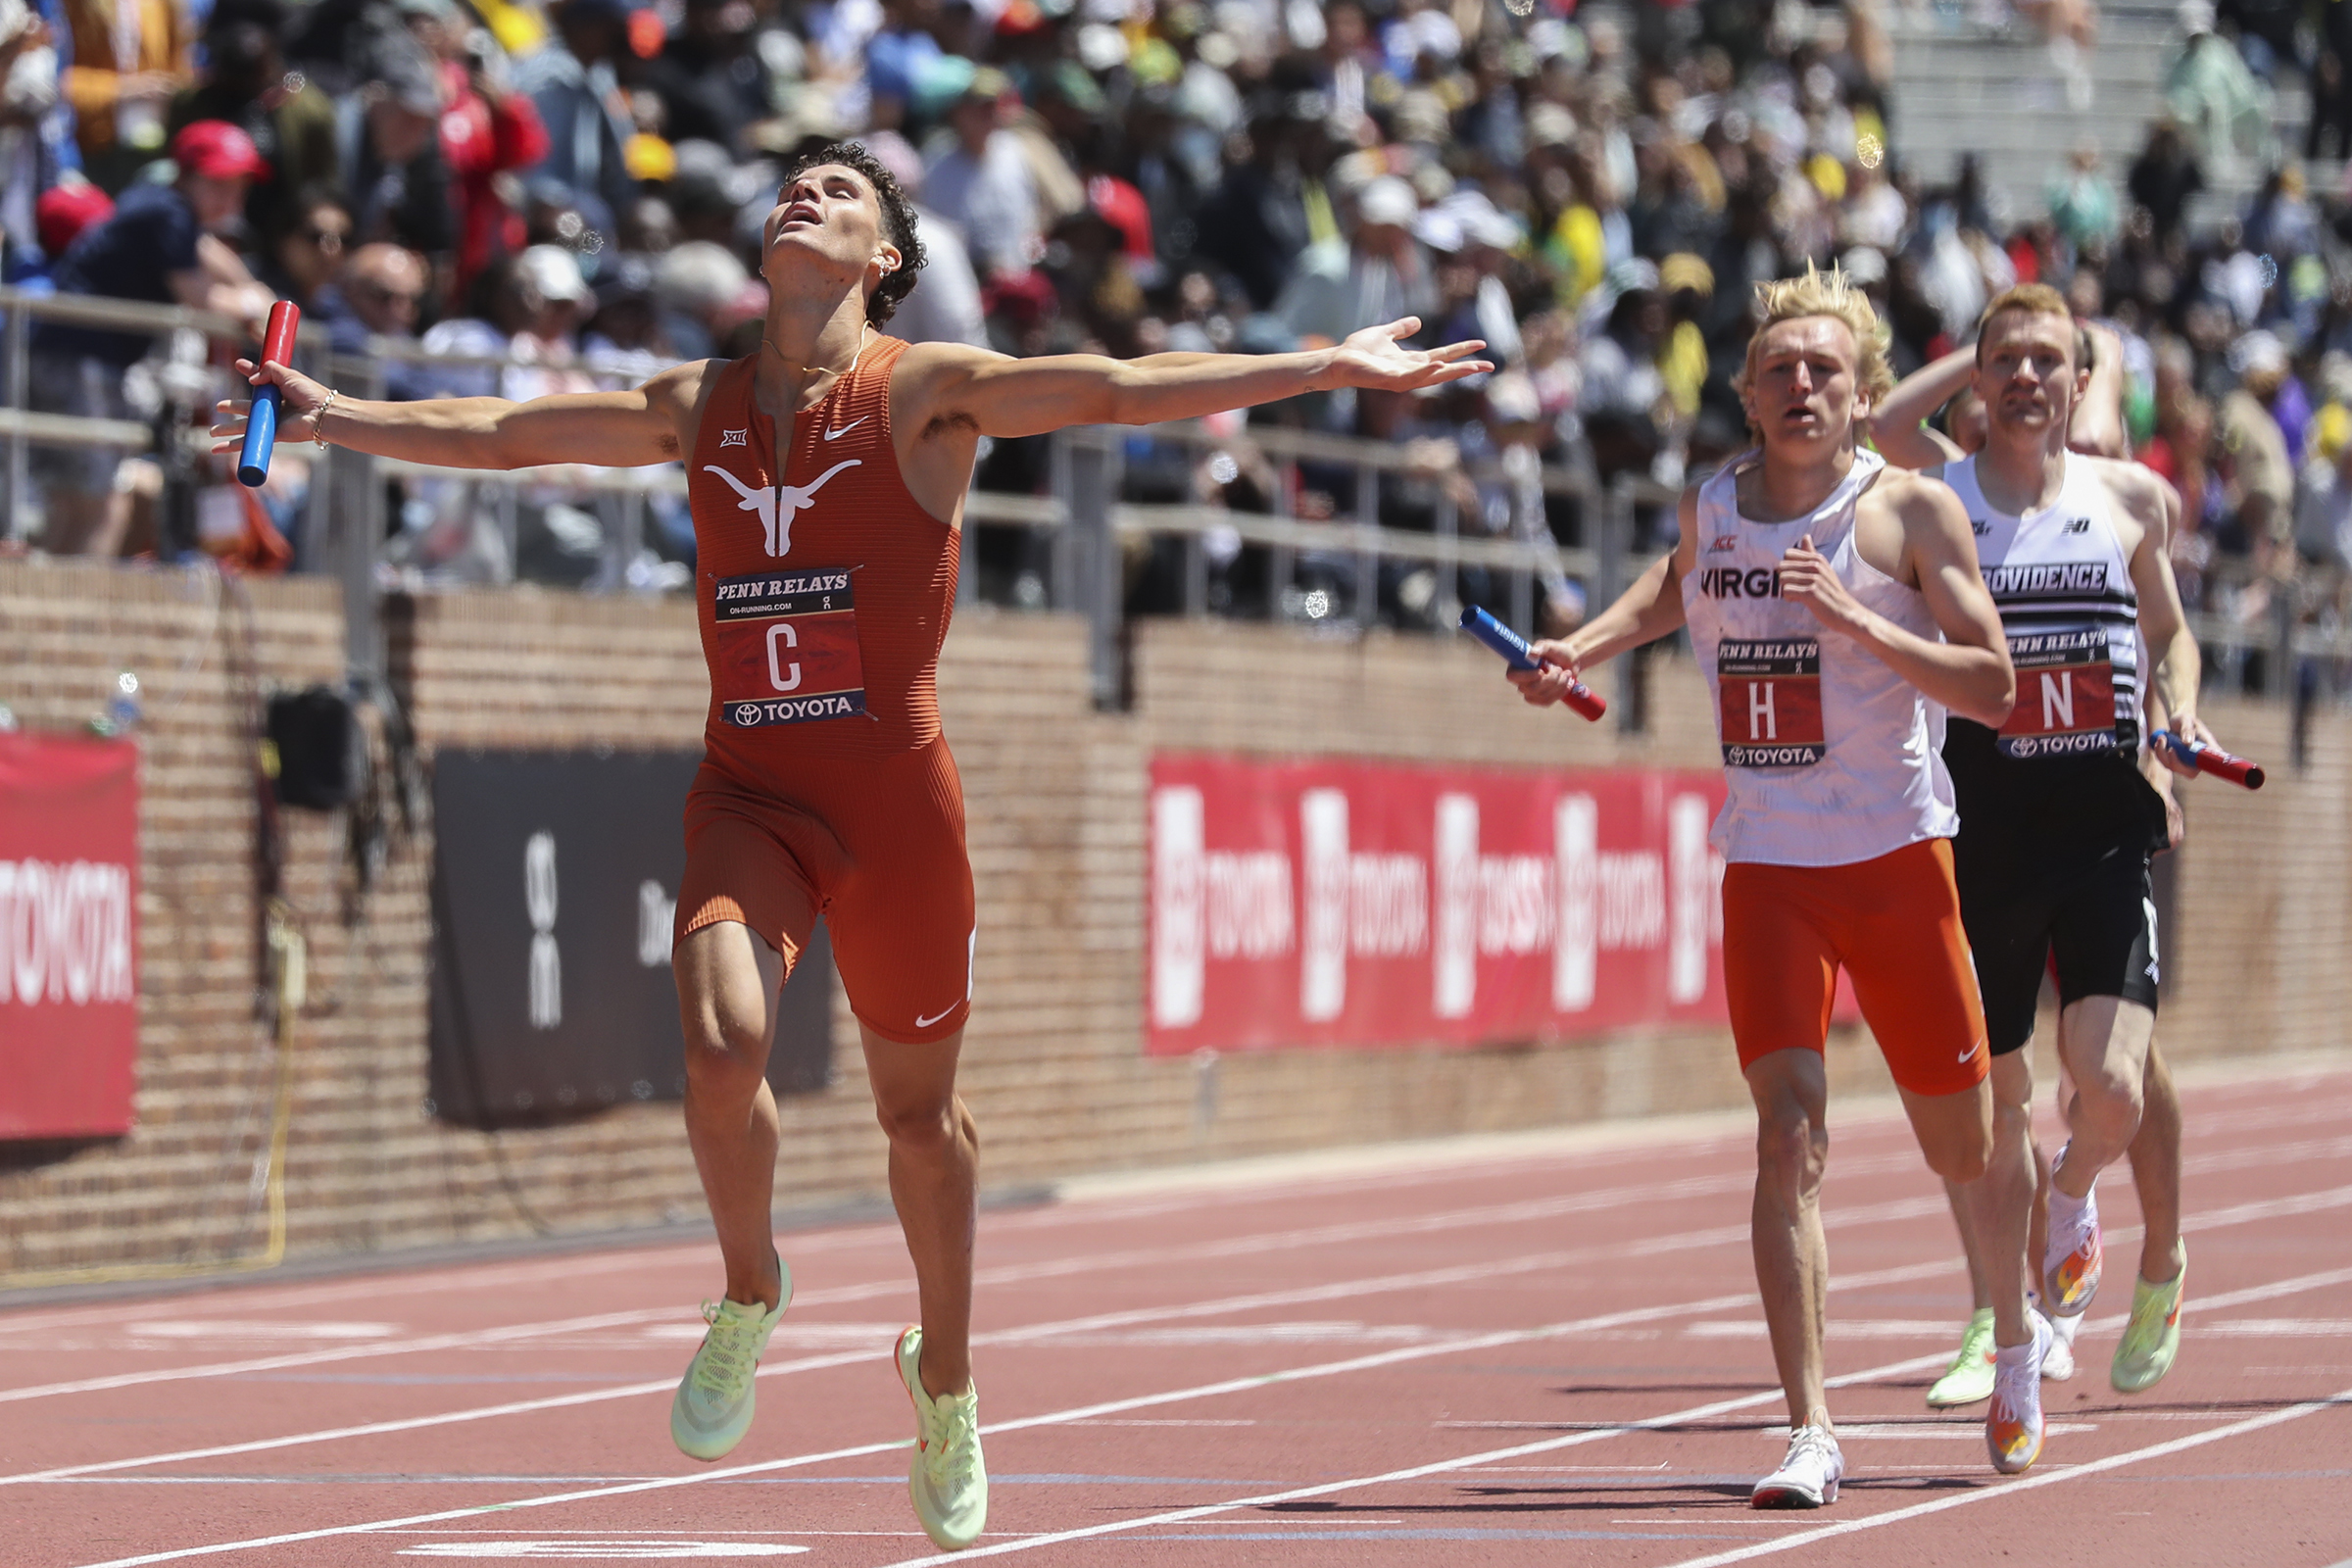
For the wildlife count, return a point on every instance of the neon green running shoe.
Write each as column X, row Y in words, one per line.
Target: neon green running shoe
column 947, row 1480
column 1970, row 1379
column 712, row 1409
column 2152, row 1336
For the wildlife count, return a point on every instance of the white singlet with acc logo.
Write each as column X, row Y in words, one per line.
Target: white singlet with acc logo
column 1831, row 757
column 2063, row 590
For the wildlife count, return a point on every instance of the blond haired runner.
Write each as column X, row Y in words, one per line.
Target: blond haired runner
column 827, row 474
column 1835, row 608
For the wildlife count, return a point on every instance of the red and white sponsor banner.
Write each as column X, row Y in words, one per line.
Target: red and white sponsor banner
column 1348, row 902
column 69, row 935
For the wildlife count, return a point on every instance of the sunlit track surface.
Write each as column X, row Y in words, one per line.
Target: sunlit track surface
column 1526, row 1356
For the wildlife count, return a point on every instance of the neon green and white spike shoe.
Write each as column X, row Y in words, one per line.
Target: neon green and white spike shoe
column 712, row 1409
column 2152, row 1335
column 1970, row 1379
column 948, row 1482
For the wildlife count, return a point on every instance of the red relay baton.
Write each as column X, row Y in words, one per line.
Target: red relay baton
column 2211, row 760
column 1516, row 652
column 260, row 420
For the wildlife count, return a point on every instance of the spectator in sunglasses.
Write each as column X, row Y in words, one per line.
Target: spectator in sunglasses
column 379, row 297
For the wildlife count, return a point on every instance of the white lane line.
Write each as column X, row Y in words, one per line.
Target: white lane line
column 2047, row 1477
column 1178, row 1516
column 1459, row 1274
column 259, row 1295
column 2239, row 1214
column 2280, row 1288
column 1515, row 1213
column 1519, row 1212
column 1081, row 1413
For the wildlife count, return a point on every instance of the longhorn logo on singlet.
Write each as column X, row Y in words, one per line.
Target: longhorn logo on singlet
column 1768, row 694
column 784, row 647
column 777, row 507
column 2066, row 703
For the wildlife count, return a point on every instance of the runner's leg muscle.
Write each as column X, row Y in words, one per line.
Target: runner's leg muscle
column 2156, row 1172
column 2000, row 1202
column 1791, row 1091
column 934, row 1183
column 2104, row 1041
column 728, row 981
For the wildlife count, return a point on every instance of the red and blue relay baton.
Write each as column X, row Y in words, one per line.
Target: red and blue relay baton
column 2210, row 760
column 260, row 420
column 1516, row 653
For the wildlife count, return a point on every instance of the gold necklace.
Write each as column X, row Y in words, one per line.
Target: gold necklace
column 820, row 370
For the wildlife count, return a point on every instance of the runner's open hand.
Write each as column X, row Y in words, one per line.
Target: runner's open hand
column 1377, row 357
column 1545, row 686
column 301, row 398
column 1808, row 579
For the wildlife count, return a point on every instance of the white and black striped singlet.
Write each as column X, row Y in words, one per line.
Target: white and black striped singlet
column 2063, row 769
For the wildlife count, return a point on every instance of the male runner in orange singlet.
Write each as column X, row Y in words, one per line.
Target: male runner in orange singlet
column 1836, row 607
column 826, row 475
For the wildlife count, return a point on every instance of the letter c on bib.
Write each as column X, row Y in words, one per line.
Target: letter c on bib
column 776, row 676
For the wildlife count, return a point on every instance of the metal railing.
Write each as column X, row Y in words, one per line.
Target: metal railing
column 1081, row 529
column 1083, row 535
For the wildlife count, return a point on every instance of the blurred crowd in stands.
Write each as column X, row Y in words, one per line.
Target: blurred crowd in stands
column 576, row 187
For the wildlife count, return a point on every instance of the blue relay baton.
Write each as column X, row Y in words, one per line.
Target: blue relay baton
column 260, row 420
column 1519, row 656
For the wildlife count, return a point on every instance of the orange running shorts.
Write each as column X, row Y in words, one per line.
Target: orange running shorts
column 1893, row 924
column 875, row 845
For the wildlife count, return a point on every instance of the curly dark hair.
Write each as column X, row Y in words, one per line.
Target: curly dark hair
column 898, row 218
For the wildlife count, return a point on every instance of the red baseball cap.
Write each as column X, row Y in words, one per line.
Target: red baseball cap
column 218, row 150
column 62, row 212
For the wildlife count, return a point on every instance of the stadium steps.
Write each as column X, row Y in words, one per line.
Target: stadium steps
column 1961, row 86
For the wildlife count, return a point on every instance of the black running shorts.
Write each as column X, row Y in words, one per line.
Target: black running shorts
column 2098, row 925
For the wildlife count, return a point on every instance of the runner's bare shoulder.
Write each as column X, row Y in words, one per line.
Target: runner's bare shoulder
column 2140, row 489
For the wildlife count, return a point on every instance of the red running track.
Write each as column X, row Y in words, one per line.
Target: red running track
column 1530, row 1354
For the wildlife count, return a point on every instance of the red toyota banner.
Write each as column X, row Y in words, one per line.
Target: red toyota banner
column 1348, row 902
column 69, row 935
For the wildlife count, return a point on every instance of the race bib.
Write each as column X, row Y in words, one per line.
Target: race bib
column 2065, row 695
column 1770, row 695
column 787, row 648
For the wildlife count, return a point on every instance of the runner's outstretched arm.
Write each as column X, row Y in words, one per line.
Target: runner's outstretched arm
column 1898, row 426
column 950, row 384
column 1969, row 672
column 1644, row 613
column 645, row 424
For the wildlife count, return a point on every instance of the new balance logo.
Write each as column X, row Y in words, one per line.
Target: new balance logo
column 778, row 506
column 1979, row 526
column 735, row 438
column 2079, row 525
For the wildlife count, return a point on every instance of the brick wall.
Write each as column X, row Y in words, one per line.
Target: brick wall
column 1056, row 1071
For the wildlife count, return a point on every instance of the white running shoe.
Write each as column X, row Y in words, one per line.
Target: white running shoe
column 712, row 1409
column 2013, row 1425
column 2058, row 1363
column 949, row 1480
column 2072, row 1257
column 1808, row 1474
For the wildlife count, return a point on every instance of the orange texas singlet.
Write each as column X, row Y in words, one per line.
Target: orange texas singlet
column 823, row 591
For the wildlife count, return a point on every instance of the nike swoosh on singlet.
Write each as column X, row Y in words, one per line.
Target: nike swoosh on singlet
column 835, row 435
column 925, row 1024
